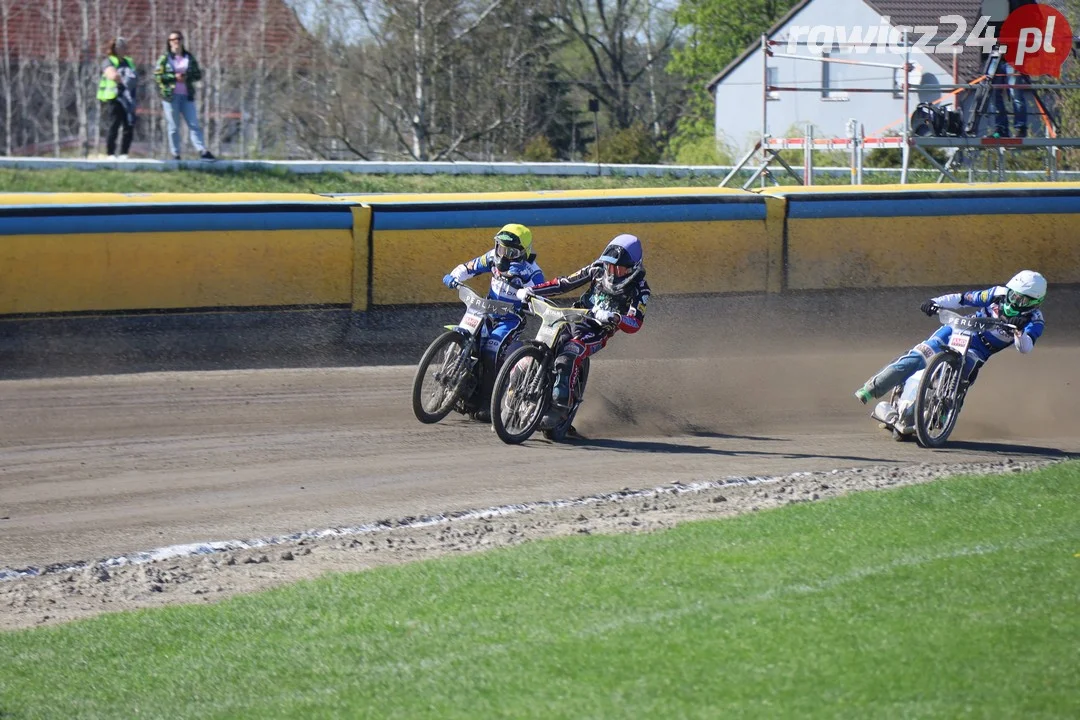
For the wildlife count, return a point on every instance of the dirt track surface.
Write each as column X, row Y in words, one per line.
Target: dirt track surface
column 102, row 467
column 326, row 469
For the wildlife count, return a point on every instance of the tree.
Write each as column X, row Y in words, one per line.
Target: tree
column 717, row 31
column 418, row 41
column 433, row 79
column 624, row 42
column 6, row 77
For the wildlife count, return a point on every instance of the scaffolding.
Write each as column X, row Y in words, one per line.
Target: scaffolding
column 965, row 148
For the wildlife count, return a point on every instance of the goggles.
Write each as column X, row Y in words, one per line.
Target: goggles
column 510, row 253
column 1019, row 300
column 619, row 271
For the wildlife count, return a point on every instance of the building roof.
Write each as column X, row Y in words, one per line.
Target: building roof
column 901, row 12
column 915, row 13
column 234, row 32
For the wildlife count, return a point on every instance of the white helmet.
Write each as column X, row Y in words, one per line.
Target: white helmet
column 1025, row 291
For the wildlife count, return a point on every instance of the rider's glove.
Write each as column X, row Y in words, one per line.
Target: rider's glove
column 524, row 294
column 930, row 308
column 450, row 281
column 605, row 316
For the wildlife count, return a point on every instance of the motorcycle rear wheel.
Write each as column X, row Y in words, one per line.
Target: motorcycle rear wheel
column 521, row 394
column 444, row 356
column 937, row 404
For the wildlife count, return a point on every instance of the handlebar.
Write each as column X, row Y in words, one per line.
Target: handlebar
column 479, row 303
column 972, row 323
column 549, row 311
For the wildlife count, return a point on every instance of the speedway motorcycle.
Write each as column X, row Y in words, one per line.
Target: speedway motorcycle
column 928, row 404
column 521, row 400
column 450, row 373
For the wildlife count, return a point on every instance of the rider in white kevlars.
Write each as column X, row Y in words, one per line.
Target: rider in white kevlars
column 1017, row 303
column 512, row 264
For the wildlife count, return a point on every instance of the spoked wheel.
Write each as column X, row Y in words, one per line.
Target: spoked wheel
column 558, row 433
column 439, row 377
column 937, row 405
column 521, row 394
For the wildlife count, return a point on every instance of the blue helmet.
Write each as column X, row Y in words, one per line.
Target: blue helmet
column 622, row 263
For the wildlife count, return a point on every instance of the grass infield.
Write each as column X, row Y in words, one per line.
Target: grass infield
column 212, row 181
column 958, row 598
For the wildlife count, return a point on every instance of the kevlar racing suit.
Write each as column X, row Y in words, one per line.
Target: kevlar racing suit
column 984, row 344
column 589, row 337
column 504, row 285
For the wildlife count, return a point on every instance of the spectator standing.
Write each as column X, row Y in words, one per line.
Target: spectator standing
column 1007, row 77
column 116, row 91
column 176, row 73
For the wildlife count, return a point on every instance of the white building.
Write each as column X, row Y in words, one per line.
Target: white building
column 738, row 90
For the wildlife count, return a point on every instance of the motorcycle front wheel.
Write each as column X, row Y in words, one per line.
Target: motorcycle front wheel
column 936, row 405
column 439, row 377
column 521, row 394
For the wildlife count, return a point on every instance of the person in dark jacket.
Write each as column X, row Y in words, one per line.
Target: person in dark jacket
column 176, row 73
column 1007, row 77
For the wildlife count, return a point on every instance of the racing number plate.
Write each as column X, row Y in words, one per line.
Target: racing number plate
column 546, row 334
column 470, row 321
column 959, row 342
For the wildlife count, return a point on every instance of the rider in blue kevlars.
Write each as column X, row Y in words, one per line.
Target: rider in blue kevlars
column 1017, row 303
column 512, row 264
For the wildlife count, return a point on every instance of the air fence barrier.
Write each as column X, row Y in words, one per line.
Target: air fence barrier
column 77, row 254
column 899, row 236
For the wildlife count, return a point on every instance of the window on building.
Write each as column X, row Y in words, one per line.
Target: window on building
column 832, row 77
column 772, row 77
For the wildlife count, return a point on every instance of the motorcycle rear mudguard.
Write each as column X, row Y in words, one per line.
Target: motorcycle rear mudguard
column 900, row 416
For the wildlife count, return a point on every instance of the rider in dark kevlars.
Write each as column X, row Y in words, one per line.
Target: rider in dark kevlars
column 616, row 299
column 1017, row 303
column 512, row 264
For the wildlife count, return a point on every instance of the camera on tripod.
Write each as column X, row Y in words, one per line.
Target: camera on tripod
column 930, row 120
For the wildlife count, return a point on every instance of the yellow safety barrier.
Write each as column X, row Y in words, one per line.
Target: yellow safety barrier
column 929, row 235
column 85, row 253
column 95, row 253
column 696, row 240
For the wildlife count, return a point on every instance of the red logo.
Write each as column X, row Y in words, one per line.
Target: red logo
column 1036, row 39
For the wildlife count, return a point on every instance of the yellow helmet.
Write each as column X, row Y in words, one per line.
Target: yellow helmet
column 513, row 242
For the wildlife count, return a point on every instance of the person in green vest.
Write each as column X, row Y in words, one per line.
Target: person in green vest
column 116, row 91
column 176, row 73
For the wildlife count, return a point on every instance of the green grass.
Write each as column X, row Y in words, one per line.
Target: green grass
column 65, row 180
column 955, row 599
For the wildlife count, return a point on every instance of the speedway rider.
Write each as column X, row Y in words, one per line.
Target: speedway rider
column 512, row 265
column 1017, row 303
column 616, row 299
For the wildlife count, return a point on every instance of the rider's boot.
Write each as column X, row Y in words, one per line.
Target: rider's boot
column 893, row 374
column 487, row 383
column 560, row 394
